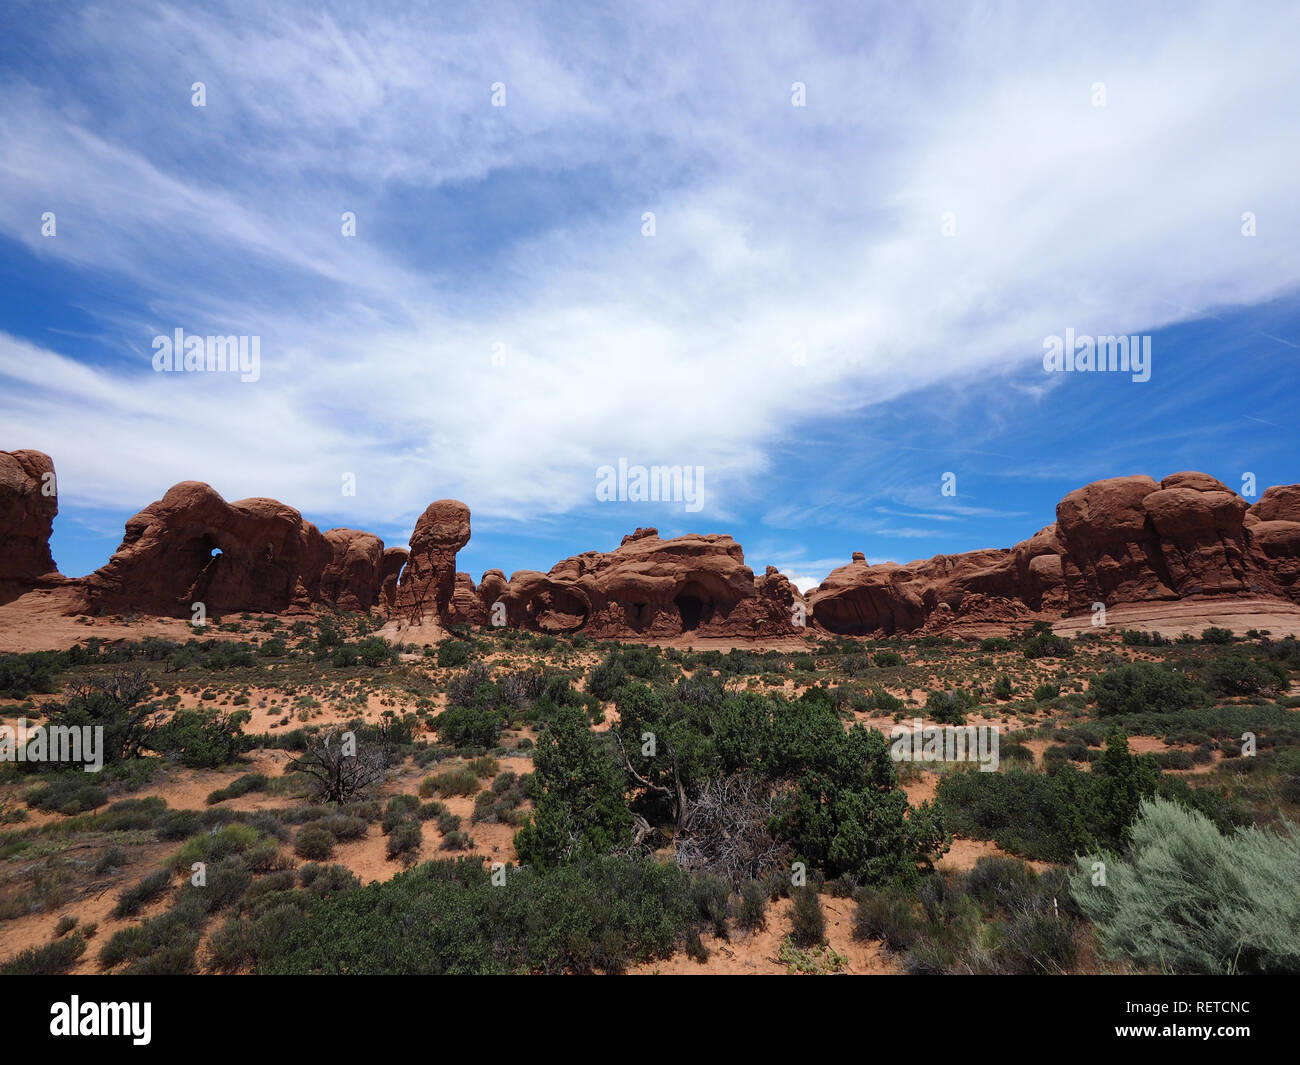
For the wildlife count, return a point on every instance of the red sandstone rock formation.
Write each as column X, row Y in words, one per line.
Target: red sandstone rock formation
column 466, row 606
column 654, row 587
column 428, row 582
column 192, row 546
column 1273, row 528
column 1128, row 540
column 28, row 503
column 1121, row 540
column 394, row 561
column 353, row 576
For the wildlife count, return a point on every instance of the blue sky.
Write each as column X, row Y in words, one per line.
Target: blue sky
column 800, row 325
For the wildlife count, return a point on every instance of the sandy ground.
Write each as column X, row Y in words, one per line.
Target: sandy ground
column 756, row 953
column 964, row 853
column 40, row 621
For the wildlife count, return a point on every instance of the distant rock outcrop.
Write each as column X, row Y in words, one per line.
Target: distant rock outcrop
column 653, row 587
column 28, row 504
column 192, row 547
column 1128, row 539
column 1273, row 528
column 1116, row 541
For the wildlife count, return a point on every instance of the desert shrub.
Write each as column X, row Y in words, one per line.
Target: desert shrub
column 452, row 653
column 886, row 659
column 1024, row 812
column 578, row 789
column 1047, row 645
column 457, row 781
column 1217, row 635
column 133, row 899
column 428, row 811
column 67, row 793
column 325, row 880
column 162, row 945
column 314, row 842
column 404, row 840
column 240, row 941
column 457, row 841
column 887, row 914
column 695, row 948
column 277, row 882
column 882, row 700
column 1225, row 810
column 751, row 913
column 807, row 922
column 606, row 677
column 223, row 655
column 949, row 707
column 50, row 959
column 1139, row 687
column 24, row 675
column 1045, row 692
column 177, row 824
column 343, row 656
column 225, row 841
column 445, row 917
column 111, row 859
column 1141, row 638
column 344, row 827
column 1037, row 941
column 711, row 895
column 1052, row 816
column 128, row 814
column 1185, row 898
column 472, row 686
column 400, row 809
column 249, row 782
column 1002, row 689
column 1236, row 674
column 1000, row 883
column 1001, row 917
column 1176, row 760
column 375, row 651
column 484, row 766
column 499, row 802
column 224, row 884
column 202, row 739
column 470, row 726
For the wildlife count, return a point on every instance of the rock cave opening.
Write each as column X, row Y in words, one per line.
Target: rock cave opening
column 691, row 608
